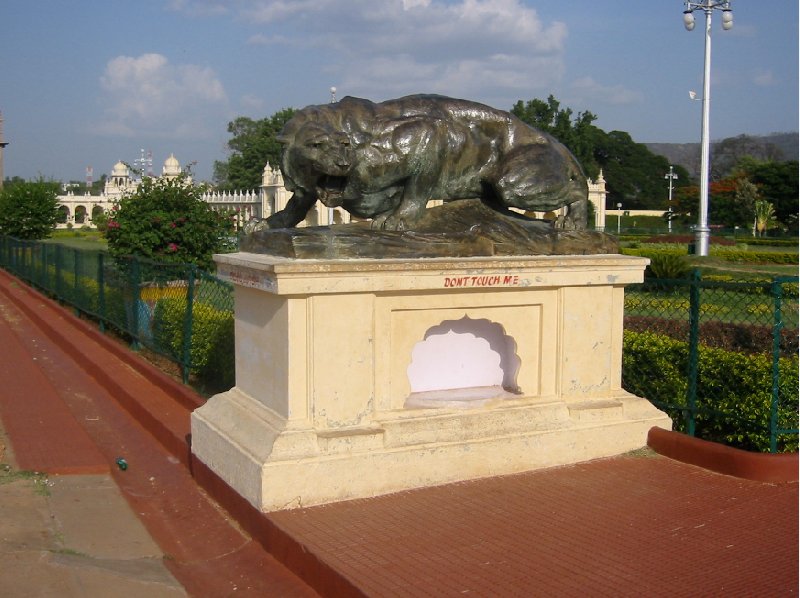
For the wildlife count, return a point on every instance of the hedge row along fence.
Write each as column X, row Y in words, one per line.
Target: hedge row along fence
column 728, row 254
column 719, row 357
column 174, row 310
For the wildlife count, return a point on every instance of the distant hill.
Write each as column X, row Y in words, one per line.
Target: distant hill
column 726, row 153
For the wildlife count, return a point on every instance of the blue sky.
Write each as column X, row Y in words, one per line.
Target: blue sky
column 92, row 82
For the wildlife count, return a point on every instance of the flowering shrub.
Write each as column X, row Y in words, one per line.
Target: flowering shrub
column 167, row 221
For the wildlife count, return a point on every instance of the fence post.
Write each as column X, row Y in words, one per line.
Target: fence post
column 75, row 283
column 135, row 293
column 776, row 291
column 101, row 291
column 694, row 341
column 59, row 264
column 45, row 261
column 188, row 323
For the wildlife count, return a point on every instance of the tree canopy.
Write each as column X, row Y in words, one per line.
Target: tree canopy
column 578, row 134
column 634, row 175
column 252, row 145
column 29, row 209
column 778, row 184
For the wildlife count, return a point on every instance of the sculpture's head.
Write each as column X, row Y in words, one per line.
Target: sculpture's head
column 317, row 159
column 558, row 178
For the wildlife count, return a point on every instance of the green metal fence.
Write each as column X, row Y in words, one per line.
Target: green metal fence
column 174, row 310
column 721, row 357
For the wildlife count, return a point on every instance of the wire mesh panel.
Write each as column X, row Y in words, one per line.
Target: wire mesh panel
column 719, row 356
column 174, row 310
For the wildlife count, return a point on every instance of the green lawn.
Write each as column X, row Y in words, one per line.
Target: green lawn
column 79, row 239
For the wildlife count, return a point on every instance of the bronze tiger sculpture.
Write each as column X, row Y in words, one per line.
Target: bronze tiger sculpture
column 385, row 161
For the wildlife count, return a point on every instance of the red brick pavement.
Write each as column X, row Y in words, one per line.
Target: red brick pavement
column 629, row 526
column 209, row 554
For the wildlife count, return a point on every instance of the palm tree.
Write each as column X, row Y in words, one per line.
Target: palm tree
column 764, row 217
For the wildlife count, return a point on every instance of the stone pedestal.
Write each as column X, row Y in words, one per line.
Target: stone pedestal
column 356, row 378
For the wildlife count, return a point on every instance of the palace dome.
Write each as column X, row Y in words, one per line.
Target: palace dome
column 120, row 170
column 172, row 167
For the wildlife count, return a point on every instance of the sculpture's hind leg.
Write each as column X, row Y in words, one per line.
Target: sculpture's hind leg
column 539, row 178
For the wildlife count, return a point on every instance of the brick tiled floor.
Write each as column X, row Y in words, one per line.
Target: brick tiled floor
column 628, row 526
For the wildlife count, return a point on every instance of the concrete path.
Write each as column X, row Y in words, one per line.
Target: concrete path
column 72, row 536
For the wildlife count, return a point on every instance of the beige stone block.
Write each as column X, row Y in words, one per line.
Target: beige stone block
column 325, row 406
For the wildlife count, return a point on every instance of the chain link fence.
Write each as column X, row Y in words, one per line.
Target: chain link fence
column 719, row 356
column 175, row 310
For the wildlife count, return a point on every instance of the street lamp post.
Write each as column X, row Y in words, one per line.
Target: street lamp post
column 708, row 7
column 671, row 176
column 619, row 217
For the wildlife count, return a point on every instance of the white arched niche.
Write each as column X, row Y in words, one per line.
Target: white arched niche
column 462, row 363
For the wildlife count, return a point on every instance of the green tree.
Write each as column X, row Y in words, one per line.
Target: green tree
column 730, row 202
column 634, row 175
column 166, row 220
column 764, row 217
column 253, row 144
column 29, row 210
column 777, row 183
column 578, row 134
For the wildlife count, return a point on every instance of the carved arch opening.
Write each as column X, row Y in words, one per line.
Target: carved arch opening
column 463, row 361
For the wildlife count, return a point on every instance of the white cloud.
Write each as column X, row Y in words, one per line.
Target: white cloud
column 380, row 48
column 147, row 96
column 411, row 4
column 764, row 78
column 260, row 39
column 251, row 103
column 595, row 92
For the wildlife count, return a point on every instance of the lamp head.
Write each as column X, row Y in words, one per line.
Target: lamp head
column 688, row 20
column 727, row 19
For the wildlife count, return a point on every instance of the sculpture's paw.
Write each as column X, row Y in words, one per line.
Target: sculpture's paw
column 567, row 223
column 388, row 222
column 254, row 226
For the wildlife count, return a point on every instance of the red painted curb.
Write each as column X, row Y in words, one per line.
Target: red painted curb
column 286, row 548
column 170, row 427
column 759, row 467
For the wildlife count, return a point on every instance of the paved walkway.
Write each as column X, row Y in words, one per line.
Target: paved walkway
column 72, row 403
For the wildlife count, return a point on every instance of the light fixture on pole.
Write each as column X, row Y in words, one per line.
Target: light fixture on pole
column 671, row 176
column 707, row 6
column 619, row 217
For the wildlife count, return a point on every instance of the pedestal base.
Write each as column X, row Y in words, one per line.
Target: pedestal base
column 277, row 468
column 338, row 364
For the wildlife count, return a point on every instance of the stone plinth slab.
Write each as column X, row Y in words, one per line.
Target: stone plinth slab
column 324, row 406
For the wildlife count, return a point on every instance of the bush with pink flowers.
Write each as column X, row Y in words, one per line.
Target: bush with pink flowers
column 166, row 220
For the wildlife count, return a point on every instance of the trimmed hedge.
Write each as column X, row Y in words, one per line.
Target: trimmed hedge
column 686, row 239
column 734, row 390
column 790, row 289
column 769, row 241
column 727, row 254
column 745, row 338
column 212, row 351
